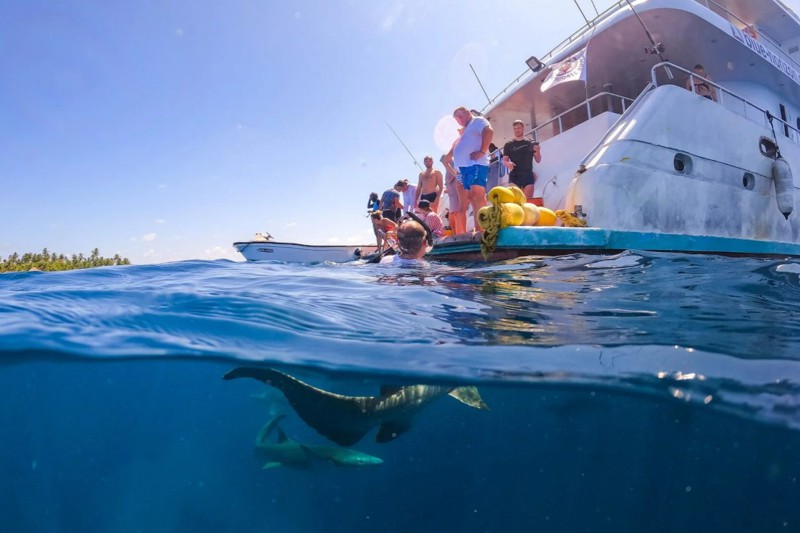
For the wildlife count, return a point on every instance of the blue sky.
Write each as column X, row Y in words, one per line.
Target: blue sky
column 166, row 130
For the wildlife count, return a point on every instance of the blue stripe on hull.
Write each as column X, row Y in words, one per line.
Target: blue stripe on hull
column 555, row 240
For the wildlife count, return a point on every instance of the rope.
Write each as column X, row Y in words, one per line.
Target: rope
column 491, row 227
column 569, row 220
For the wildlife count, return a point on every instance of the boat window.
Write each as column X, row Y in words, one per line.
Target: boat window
column 748, row 181
column 682, row 163
column 785, row 119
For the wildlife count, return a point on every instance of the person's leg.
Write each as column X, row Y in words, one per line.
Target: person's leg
column 435, row 203
column 478, row 191
column 528, row 190
column 463, row 198
column 477, row 200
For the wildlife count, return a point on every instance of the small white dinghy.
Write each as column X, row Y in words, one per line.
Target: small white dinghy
column 264, row 248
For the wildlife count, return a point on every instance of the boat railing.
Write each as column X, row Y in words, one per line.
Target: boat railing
column 729, row 99
column 549, row 55
column 590, row 155
column 717, row 8
column 608, row 102
column 731, row 17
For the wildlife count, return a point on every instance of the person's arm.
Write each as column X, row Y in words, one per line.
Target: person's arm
column 448, row 159
column 537, row 152
column 439, row 182
column 486, row 139
column 417, row 191
column 507, row 160
column 712, row 89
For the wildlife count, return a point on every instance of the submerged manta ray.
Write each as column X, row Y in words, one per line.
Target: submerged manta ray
column 346, row 419
column 286, row 452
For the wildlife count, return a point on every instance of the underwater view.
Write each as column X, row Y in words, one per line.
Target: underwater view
column 635, row 392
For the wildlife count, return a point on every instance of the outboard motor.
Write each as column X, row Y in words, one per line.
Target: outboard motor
column 784, row 186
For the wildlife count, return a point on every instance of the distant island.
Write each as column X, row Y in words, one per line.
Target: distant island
column 51, row 262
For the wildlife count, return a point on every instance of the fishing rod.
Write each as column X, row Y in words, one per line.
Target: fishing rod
column 479, row 83
column 404, row 145
column 581, row 10
column 657, row 48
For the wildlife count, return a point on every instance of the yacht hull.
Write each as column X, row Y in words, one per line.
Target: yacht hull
column 290, row 252
column 549, row 241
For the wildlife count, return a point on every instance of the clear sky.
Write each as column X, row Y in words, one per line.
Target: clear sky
column 164, row 130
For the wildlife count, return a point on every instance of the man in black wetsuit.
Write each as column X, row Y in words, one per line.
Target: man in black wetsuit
column 518, row 156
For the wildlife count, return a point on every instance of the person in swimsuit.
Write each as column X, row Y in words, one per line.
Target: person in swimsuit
column 701, row 87
column 431, row 184
column 384, row 230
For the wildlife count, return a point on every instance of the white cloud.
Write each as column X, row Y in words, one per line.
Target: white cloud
column 162, row 186
column 149, row 237
column 149, row 253
column 221, row 252
column 290, row 225
column 179, row 32
column 160, row 221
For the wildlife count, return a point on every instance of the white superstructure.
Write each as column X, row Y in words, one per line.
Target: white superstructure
column 637, row 152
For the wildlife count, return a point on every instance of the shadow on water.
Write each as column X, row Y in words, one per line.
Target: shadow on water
column 168, row 445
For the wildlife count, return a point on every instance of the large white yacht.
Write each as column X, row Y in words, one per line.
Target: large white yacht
column 648, row 163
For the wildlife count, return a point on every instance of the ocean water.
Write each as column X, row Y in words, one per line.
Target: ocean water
column 635, row 392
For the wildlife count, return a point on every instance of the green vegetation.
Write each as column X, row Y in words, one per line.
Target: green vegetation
column 48, row 261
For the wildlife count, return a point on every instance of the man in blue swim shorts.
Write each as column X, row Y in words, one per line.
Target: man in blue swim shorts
column 470, row 154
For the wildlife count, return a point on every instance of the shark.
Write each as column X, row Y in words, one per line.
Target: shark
column 346, row 419
column 286, row 452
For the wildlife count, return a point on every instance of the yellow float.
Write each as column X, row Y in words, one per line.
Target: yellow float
column 511, row 215
column 531, row 214
column 519, row 196
column 485, row 215
column 500, row 195
column 546, row 217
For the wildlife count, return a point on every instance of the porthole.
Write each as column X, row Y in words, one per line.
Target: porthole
column 768, row 147
column 748, row 181
column 682, row 163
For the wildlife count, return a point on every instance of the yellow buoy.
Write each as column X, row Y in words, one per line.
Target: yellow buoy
column 519, row 196
column 501, row 195
column 531, row 214
column 546, row 217
column 485, row 215
column 511, row 215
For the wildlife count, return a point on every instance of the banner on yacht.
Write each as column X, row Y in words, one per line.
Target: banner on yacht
column 571, row 69
column 747, row 39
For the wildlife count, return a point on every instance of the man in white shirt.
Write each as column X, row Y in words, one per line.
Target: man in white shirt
column 470, row 153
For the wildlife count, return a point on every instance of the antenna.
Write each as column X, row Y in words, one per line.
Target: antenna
column 581, row 10
column 479, row 83
column 657, row 48
column 404, row 145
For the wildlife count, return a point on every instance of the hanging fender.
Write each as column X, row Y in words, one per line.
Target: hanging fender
column 784, row 186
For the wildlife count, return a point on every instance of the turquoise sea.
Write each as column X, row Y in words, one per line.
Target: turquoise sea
column 635, row 392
